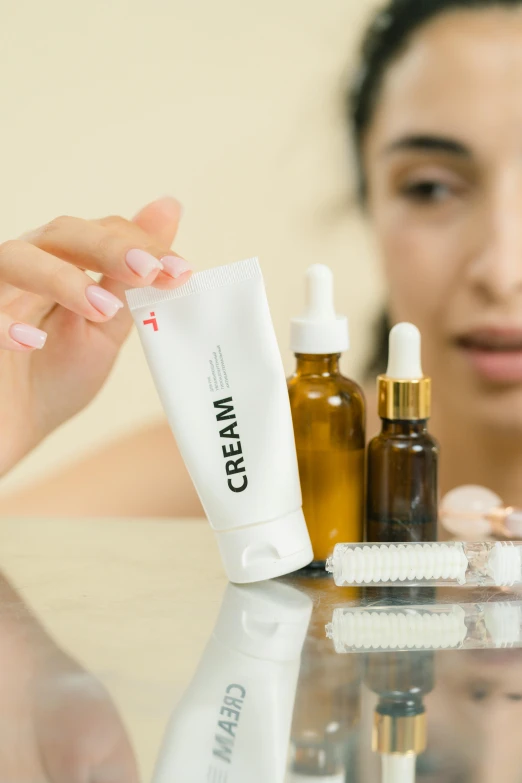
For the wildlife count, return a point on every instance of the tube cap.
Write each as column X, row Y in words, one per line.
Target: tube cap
column 266, row 550
column 319, row 330
column 268, row 620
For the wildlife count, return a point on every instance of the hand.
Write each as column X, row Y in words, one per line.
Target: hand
column 77, row 732
column 48, row 302
column 59, row 723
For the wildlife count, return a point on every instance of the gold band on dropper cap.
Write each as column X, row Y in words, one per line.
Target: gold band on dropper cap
column 403, row 392
column 404, row 399
column 406, row 734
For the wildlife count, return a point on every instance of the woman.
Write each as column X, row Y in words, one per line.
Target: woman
column 437, row 115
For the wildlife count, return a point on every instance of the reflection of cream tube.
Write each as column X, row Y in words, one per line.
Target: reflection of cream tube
column 212, row 351
column 233, row 723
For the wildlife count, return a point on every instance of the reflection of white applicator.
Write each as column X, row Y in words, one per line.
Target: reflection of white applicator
column 503, row 621
column 472, row 626
column 436, row 627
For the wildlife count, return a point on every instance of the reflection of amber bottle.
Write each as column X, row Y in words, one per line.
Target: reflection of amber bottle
column 324, row 737
column 402, row 460
column 328, row 412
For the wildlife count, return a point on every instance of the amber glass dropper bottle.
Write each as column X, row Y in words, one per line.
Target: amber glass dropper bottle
column 329, row 416
column 402, row 492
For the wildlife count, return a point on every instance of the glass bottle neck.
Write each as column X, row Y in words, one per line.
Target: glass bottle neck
column 400, row 427
column 317, row 364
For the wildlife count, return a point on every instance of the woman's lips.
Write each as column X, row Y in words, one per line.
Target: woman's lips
column 494, row 354
column 497, row 366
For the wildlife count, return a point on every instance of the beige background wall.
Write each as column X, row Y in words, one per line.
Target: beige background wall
column 235, row 107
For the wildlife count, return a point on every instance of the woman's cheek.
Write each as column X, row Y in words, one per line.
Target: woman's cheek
column 414, row 269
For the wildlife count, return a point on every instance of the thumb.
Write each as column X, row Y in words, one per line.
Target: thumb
column 160, row 219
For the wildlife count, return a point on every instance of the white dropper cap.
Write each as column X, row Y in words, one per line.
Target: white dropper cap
column 404, row 360
column 319, row 330
column 404, row 393
column 398, row 768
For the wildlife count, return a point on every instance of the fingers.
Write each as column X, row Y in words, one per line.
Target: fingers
column 79, row 732
column 115, row 247
column 30, row 269
column 160, row 220
column 20, row 337
column 50, row 262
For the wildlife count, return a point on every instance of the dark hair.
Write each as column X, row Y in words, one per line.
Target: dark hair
column 385, row 40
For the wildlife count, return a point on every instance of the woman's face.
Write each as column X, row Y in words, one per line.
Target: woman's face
column 444, row 164
column 474, row 715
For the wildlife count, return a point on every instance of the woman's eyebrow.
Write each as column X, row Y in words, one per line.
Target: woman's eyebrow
column 429, row 143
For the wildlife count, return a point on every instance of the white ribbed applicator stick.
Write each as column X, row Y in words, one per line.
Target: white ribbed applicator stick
column 453, row 563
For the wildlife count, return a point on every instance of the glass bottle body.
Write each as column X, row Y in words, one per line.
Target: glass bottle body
column 402, row 502
column 329, row 416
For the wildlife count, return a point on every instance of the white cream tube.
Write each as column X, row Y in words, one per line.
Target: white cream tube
column 213, row 354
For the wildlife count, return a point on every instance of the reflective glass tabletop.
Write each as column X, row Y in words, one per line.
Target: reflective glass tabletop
column 125, row 655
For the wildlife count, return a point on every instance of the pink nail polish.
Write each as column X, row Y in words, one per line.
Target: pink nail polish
column 174, row 266
column 105, row 302
column 172, row 200
column 142, row 263
column 28, row 335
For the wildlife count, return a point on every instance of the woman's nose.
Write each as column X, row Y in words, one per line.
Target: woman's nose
column 495, row 269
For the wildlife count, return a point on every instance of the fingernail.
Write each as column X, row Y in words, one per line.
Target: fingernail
column 105, row 302
column 175, row 266
column 176, row 202
column 28, row 335
column 142, row 263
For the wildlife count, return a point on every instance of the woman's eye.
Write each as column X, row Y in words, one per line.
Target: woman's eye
column 427, row 192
